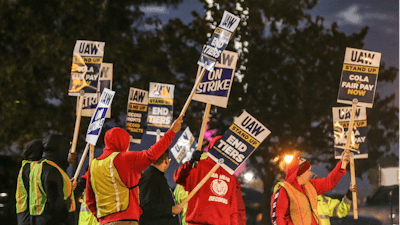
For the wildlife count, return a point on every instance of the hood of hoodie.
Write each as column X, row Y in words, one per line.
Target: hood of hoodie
column 116, row 140
column 33, row 150
column 291, row 171
column 212, row 143
column 56, row 149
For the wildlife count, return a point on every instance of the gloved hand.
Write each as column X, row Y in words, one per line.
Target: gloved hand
column 349, row 193
column 196, row 156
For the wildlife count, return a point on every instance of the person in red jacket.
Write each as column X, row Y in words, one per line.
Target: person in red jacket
column 294, row 200
column 215, row 203
column 111, row 187
column 240, row 205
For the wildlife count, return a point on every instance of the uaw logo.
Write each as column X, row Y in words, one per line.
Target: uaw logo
column 97, row 121
column 219, row 187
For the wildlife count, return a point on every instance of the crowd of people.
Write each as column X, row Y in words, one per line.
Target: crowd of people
column 129, row 187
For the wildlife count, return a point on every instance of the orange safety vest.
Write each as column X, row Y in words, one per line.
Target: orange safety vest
column 301, row 206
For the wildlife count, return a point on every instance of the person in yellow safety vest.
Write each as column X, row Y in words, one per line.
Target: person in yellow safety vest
column 85, row 216
column 180, row 194
column 51, row 198
column 111, row 187
column 32, row 152
column 330, row 207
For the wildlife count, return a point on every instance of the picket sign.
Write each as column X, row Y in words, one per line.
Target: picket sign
column 234, row 147
column 96, row 123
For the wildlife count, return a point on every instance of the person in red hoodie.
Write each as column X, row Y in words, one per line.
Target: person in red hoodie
column 113, row 177
column 294, row 200
column 215, row 203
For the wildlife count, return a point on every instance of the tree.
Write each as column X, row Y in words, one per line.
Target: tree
column 36, row 42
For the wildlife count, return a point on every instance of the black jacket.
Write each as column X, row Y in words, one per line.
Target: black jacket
column 56, row 148
column 156, row 199
column 32, row 152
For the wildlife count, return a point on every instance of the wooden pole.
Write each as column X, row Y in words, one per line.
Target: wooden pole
column 199, row 185
column 198, row 80
column 352, row 167
column 353, row 183
column 77, row 123
column 91, row 154
column 81, row 163
column 203, row 126
column 203, row 129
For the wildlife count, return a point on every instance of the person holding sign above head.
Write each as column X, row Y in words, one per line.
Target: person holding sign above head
column 215, row 203
column 111, row 187
column 294, row 200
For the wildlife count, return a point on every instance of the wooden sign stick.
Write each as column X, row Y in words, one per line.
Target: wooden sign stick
column 78, row 170
column 203, row 129
column 91, row 154
column 352, row 167
column 198, row 80
column 77, row 123
column 203, row 126
column 199, row 185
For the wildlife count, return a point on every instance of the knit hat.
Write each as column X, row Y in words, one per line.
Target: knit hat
column 304, row 165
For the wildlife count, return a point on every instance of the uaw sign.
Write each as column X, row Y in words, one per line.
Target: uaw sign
column 137, row 113
column 105, row 81
column 184, row 147
column 359, row 77
column 160, row 108
column 85, row 70
column 97, row 121
column 216, row 85
column 218, row 41
column 238, row 142
column 358, row 140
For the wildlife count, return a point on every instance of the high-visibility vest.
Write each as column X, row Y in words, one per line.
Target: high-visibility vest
column 37, row 195
column 330, row 207
column 302, row 206
column 21, row 195
column 85, row 215
column 111, row 193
